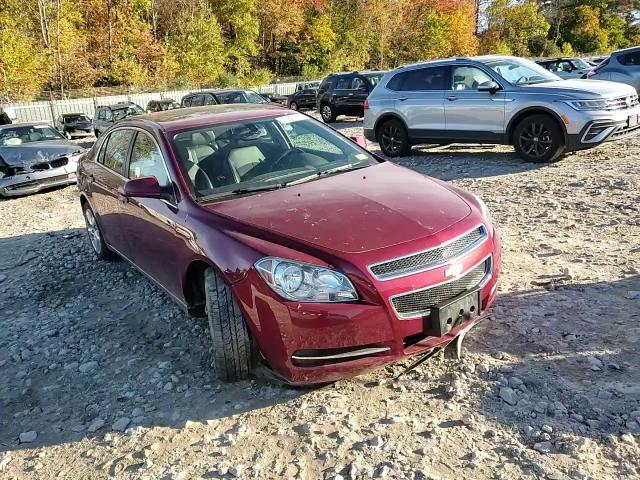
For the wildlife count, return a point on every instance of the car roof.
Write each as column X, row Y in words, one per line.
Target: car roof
column 116, row 105
column 25, row 124
column 72, row 113
column 219, row 90
column 185, row 118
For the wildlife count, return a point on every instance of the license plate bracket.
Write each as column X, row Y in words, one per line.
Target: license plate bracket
column 447, row 315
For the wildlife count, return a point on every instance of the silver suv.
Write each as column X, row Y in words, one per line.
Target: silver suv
column 622, row 66
column 497, row 100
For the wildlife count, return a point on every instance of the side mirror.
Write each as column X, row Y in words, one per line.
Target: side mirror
column 360, row 140
column 143, row 187
column 491, row 87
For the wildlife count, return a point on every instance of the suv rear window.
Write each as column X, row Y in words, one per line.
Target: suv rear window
column 632, row 58
column 421, row 79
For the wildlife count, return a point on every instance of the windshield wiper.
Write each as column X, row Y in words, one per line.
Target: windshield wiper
column 261, row 188
column 328, row 171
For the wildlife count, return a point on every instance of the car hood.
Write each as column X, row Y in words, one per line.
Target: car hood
column 82, row 123
column 36, row 152
column 354, row 212
column 583, row 88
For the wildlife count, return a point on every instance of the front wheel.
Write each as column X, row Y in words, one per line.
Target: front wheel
column 393, row 138
column 294, row 106
column 328, row 113
column 232, row 348
column 539, row 139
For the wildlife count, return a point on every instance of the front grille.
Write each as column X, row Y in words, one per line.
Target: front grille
column 59, row 162
column 622, row 103
column 621, row 132
column 419, row 302
column 425, row 260
column 37, row 167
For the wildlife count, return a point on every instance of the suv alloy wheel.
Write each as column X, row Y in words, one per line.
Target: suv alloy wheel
column 328, row 113
column 393, row 138
column 538, row 138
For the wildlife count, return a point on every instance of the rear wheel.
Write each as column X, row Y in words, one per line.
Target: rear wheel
column 95, row 235
column 232, row 349
column 393, row 138
column 96, row 132
column 538, row 138
column 328, row 113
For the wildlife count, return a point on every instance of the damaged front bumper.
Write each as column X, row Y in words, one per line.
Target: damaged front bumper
column 33, row 182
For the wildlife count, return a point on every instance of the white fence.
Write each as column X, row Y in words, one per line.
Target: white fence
column 49, row 110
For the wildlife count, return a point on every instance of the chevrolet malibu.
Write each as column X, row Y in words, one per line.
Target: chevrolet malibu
column 305, row 251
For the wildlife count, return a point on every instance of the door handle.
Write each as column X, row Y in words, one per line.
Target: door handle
column 351, row 94
column 402, row 99
column 452, row 98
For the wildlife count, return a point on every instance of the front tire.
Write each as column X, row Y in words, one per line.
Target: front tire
column 328, row 113
column 538, row 138
column 393, row 138
column 294, row 106
column 232, row 348
column 95, row 235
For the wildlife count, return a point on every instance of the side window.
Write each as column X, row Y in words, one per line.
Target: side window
column 630, row 59
column 197, row 101
column 101, row 114
column 107, row 114
column 344, row 83
column 468, row 78
column 358, row 83
column 186, row 102
column 421, row 79
column 566, row 66
column 209, row 100
column 115, row 153
column 102, row 145
column 146, row 160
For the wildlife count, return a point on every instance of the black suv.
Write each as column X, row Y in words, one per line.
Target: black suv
column 107, row 115
column 304, row 96
column 215, row 97
column 74, row 124
column 345, row 94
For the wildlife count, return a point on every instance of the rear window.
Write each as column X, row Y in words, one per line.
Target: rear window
column 421, row 79
column 76, row 118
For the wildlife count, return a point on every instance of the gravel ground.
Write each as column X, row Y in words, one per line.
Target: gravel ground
column 104, row 377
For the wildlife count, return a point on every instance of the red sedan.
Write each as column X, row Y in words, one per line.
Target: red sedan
column 304, row 250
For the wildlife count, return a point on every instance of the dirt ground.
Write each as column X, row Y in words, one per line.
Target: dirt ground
column 104, row 377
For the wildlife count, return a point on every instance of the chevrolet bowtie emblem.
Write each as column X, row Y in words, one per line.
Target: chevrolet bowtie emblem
column 453, row 270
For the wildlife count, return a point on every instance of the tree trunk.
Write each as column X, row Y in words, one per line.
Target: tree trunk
column 58, row 52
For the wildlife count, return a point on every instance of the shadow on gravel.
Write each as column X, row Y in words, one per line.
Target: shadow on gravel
column 570, row 361
column 89, row 346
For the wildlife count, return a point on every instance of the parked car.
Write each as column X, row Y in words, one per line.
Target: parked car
column 107, row 115
column 215, row 97
column 74, row 125
column 35, row 156
column 497, row 100
column 567, row 67
column 303, row 98
column 161, row 105
column 300, row 246
column 621, row 66
column 345, row 94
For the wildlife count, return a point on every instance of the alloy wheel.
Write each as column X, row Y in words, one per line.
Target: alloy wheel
column 293, row 106
column 326, row 112
column 535, row 140
column 93, row 231
column 391, row 139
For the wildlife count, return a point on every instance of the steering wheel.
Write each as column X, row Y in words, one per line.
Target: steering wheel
column 201, row 180
column 285, row 155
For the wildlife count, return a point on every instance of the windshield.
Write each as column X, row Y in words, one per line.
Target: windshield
column 236, row 158
column 581, row 64
column 518, row 71
column 126, row 111
column 27, row 134
column 76, row 118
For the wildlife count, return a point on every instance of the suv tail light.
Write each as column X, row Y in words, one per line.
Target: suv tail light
column 366, row 104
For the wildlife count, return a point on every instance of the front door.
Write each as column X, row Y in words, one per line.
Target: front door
column 151, row 225
column 471, row 114
column 107, row 179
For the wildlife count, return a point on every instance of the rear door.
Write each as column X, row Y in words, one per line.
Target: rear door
column 342, row 95
column 419, row 98
column 106, row 180
column 471, row 114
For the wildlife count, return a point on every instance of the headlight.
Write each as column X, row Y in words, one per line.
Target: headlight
column 486, row 213
column 301, row 282
column 588, row 104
